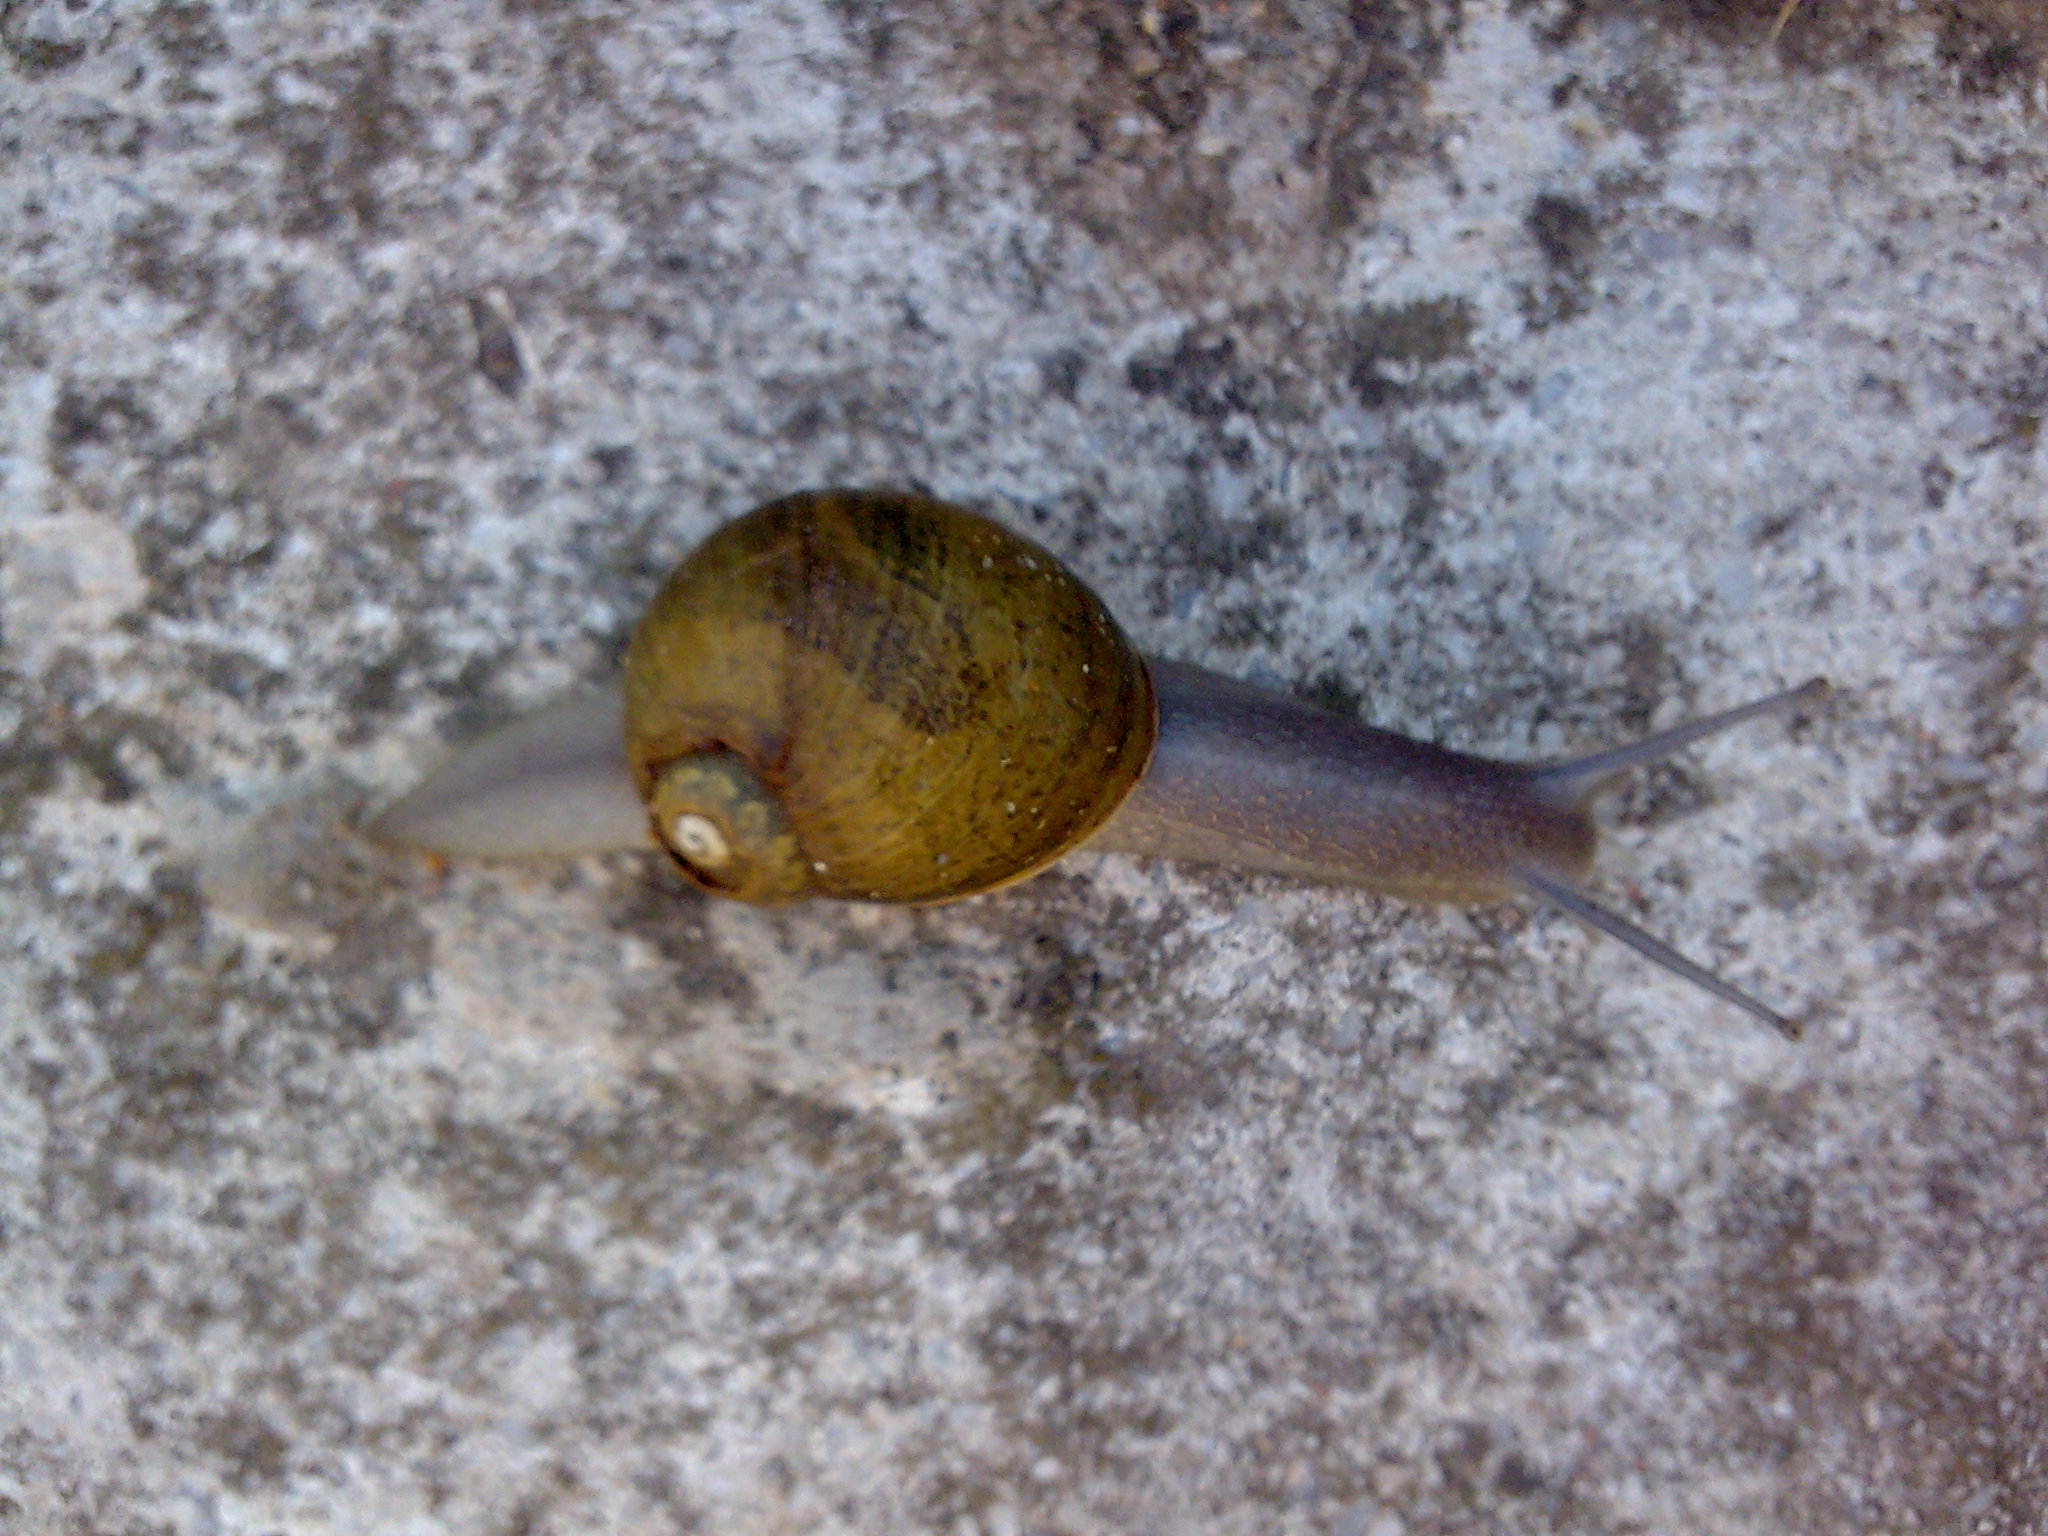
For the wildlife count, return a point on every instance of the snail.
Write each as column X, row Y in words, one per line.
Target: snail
column 879, row 696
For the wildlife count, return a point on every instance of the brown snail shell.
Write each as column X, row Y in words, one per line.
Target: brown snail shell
column 880, row 696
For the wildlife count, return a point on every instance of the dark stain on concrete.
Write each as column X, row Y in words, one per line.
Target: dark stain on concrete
column 1828, row 1334
column 1985, row 46
column 1197, row 376
column 1394, row 355
column 1128, row 136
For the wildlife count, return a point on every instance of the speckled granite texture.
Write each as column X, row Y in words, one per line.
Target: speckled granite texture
column 1520, row 375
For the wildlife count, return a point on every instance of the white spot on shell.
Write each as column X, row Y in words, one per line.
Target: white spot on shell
column 698, row 839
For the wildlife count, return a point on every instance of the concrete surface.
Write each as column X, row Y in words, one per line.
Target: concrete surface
column 1518, row 374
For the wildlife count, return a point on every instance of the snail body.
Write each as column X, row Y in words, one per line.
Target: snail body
column 879, row 696
column 1254, row 779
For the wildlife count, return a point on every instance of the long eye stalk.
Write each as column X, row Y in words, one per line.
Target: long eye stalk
column 1573, row 781
column 1579, row 776
column 1568, row 898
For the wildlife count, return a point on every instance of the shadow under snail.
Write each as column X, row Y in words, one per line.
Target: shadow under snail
column 878, row 696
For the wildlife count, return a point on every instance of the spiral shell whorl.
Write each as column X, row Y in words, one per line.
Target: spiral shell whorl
column 932, row 705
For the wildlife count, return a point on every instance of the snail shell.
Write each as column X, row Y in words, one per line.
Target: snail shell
column 878, row 696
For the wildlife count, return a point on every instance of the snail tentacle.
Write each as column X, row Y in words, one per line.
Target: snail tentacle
column 1578, row 777
column 1567, row 897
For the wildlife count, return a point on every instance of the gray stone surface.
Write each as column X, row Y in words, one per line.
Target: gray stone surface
column 1520, row 375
